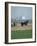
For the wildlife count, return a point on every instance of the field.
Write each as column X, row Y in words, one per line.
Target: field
column 21, row 32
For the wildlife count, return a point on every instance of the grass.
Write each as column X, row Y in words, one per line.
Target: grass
column 21, row 34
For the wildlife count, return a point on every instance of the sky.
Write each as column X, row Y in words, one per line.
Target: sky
column 20, row 13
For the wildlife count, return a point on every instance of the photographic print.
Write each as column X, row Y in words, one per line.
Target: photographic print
column 20, row 22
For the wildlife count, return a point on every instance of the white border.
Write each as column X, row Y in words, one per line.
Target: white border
column 9, row 25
